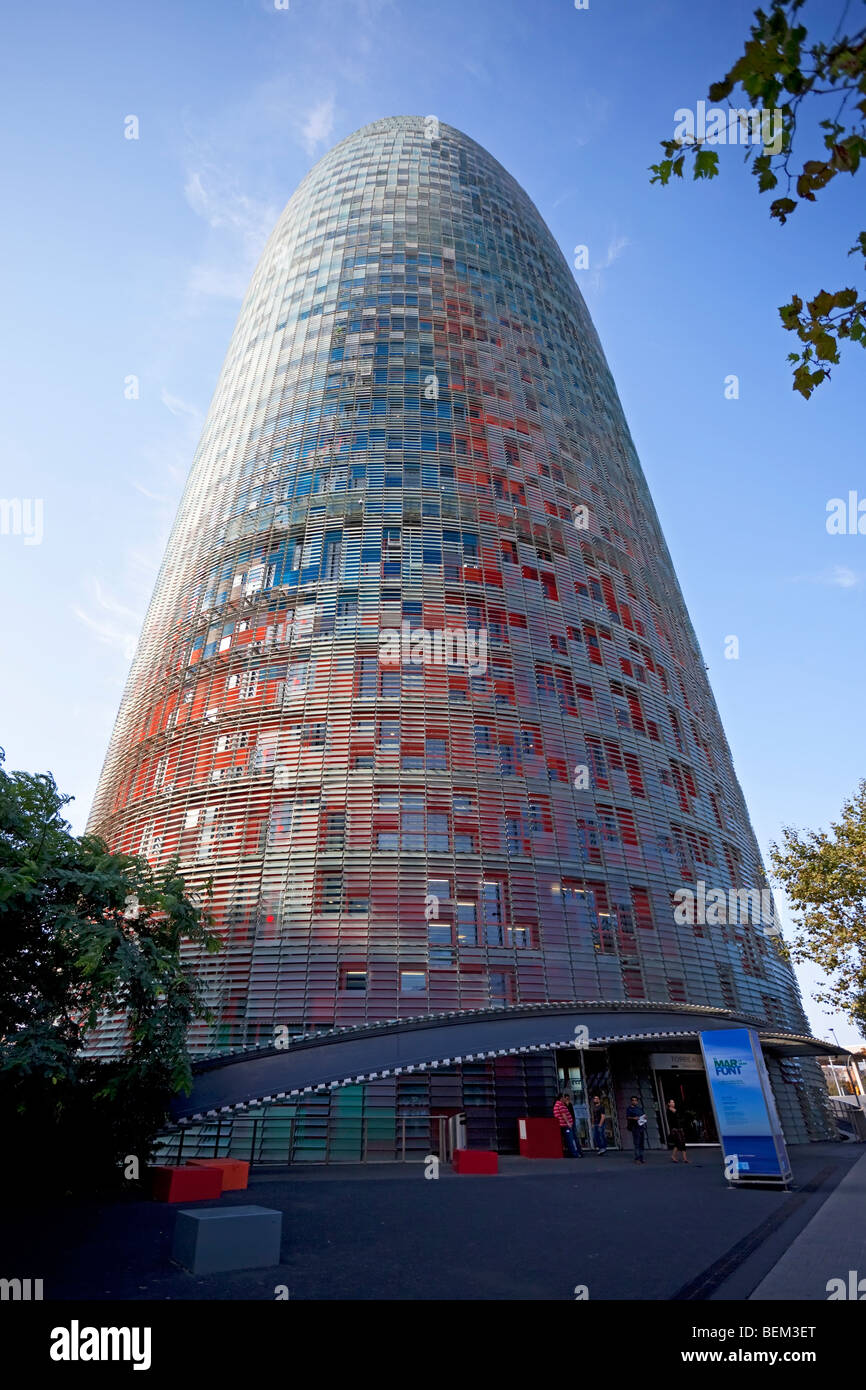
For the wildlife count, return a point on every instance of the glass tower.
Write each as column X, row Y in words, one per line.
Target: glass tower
column 417, row 689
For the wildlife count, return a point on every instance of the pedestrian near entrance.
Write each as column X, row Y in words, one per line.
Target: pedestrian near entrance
column 676, row 1133
column 570, row 1107
column 599, row 1122
column 636, row 1118
column 560, row 1111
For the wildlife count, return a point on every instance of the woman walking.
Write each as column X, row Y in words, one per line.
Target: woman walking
column 676, row 1133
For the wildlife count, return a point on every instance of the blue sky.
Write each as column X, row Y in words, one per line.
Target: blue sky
column 130, row 257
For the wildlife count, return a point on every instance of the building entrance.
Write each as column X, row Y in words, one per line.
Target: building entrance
column 690, row 1091
column 571, row 1080
column 584, row 1075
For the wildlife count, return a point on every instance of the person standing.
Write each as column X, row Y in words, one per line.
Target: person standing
column 599, row 1122
column 636, row 1118
column 676, row 1132
column 570, row 1107
column 561, row 1113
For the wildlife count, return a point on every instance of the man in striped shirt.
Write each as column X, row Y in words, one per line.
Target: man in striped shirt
column 563, row 1113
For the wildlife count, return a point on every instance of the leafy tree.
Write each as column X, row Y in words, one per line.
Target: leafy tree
column 84, row 931
column 780, row 72
column 824, row 874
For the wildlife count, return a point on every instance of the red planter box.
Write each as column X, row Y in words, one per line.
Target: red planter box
column 476, row 1161
column 235, row 1171
column 540, row 1138
column 185, row 1184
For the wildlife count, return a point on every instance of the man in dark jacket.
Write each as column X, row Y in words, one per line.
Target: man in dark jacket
column 599, row 1125
column 636, row 1118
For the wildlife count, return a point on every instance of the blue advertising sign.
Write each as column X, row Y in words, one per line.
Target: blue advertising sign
column 746, row 1118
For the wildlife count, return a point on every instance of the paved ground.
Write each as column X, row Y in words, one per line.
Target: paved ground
column 831, row 1246
column 535, row 1232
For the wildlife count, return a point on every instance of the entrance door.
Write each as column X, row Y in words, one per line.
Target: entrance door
column 595, row 1081
column 571, row 1081
column 690, row 1091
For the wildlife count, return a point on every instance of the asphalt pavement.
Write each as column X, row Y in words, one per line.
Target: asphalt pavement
column 600, row 1227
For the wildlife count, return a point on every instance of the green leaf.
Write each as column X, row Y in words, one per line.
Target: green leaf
column 820, row 305
column 782, row 208
column 803, row 382
column 845, row 299
column 706, row 164
column 825, row 347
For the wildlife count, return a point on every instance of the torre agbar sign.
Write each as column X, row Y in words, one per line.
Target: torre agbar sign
column 417, row 689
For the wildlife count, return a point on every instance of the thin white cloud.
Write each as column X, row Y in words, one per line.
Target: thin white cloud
column 151, row 496
column 837, row 577
column 111, row 622
column 217, row 282
column 212, row 195
column 590, row 117
column 476, row 70
column 112, row 605
column 318, row 125
column 108, row 634
column 195, row 195
column 241, row 226
column 180, row 407
column 597, row 268
column 613, row 253
column 369, row 11
column 841, row 577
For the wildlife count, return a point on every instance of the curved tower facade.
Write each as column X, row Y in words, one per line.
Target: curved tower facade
column 417, row 688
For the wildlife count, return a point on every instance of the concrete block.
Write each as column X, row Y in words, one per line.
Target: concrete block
column 476, row 1161
column 235, row 1171
column 225, row 1238
column 182, row 1184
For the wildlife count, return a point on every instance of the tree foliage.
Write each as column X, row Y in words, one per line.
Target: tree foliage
column 781, row 70
column 84, row 932
column 824, row 875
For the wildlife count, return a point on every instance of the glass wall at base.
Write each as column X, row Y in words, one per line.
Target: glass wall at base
column 397, row 1119
column 405, row 1118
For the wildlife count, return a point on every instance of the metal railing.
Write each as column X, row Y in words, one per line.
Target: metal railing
column 273, row 1140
